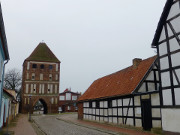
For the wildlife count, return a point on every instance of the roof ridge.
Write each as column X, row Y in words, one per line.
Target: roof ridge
column 125, row 68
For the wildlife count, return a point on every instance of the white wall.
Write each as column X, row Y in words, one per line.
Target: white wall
column 171, row 120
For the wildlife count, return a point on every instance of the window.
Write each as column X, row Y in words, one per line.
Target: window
column 48, row 91
column 68, row 108
column 56, row 77
column 27, row 88
column 90, row 104
column 27, row 76
column 68, row 96
column 56, row 88
column 50, row 88
column 61, row 98
column 42, row 66
column 28, row 65
column 93, row 104
column 34, row 66
column 33, row 76
column 52, row 100
column 50, row 67
column 74, row 97
column 40, row 88
column 41, row 77
column 33, row 88
column 109, row 103
column 57, row 67
column 97, row 104
column 50, row 77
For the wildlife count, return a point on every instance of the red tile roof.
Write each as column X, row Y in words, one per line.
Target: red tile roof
column 120, row 83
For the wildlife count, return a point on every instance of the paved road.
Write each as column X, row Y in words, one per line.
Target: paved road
column 52, row 126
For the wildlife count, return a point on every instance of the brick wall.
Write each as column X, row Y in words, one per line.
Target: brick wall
column 80, row 111
column 46, row 96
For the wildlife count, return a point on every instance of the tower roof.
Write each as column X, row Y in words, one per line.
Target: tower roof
column 42, row 53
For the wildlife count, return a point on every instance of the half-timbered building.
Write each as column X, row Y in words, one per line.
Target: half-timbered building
column 167, row 42
column 129, row 97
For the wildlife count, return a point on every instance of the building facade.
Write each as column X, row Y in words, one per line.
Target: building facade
column 10, row 107
column 41, row 74
column 4, row 58
column 167, row 42
column 68, row 101
column 127, row 97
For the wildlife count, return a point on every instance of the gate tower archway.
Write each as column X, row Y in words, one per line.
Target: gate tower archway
column 39, row 104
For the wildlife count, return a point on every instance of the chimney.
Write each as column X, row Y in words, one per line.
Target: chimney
column 136, row 62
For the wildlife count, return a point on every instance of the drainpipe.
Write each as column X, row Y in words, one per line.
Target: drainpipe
column 1, row 81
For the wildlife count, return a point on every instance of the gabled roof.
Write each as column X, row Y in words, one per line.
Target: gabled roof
column 121, row 83
column 69, row 91
column 162, row 21
column 12, row 92
column 8, row 93
column 42, row 53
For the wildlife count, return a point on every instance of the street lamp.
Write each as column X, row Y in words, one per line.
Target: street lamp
column 30, row 107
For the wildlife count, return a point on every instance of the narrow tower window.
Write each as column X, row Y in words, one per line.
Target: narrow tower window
column 42, row 66
column 34, row 66
column 33, row 76
column 50, row 67
column 50, row 77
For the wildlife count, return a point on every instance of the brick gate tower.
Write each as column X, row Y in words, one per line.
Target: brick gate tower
column 40, row 83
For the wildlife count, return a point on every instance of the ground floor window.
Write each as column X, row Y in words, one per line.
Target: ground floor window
column 68, row 108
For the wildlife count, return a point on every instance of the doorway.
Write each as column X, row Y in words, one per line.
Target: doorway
column 146, row 114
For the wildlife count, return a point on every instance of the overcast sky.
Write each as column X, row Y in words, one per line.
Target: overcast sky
column 91, row 38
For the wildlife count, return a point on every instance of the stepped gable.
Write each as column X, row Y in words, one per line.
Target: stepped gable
column 123, row 82
column 42, row 53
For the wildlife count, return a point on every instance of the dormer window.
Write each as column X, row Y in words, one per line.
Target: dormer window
column 34, row 66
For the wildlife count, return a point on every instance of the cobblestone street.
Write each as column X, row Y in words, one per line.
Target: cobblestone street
column 52, row 126
column 68, row 124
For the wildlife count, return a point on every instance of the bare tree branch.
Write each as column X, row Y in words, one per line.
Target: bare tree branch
column 13, row 79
